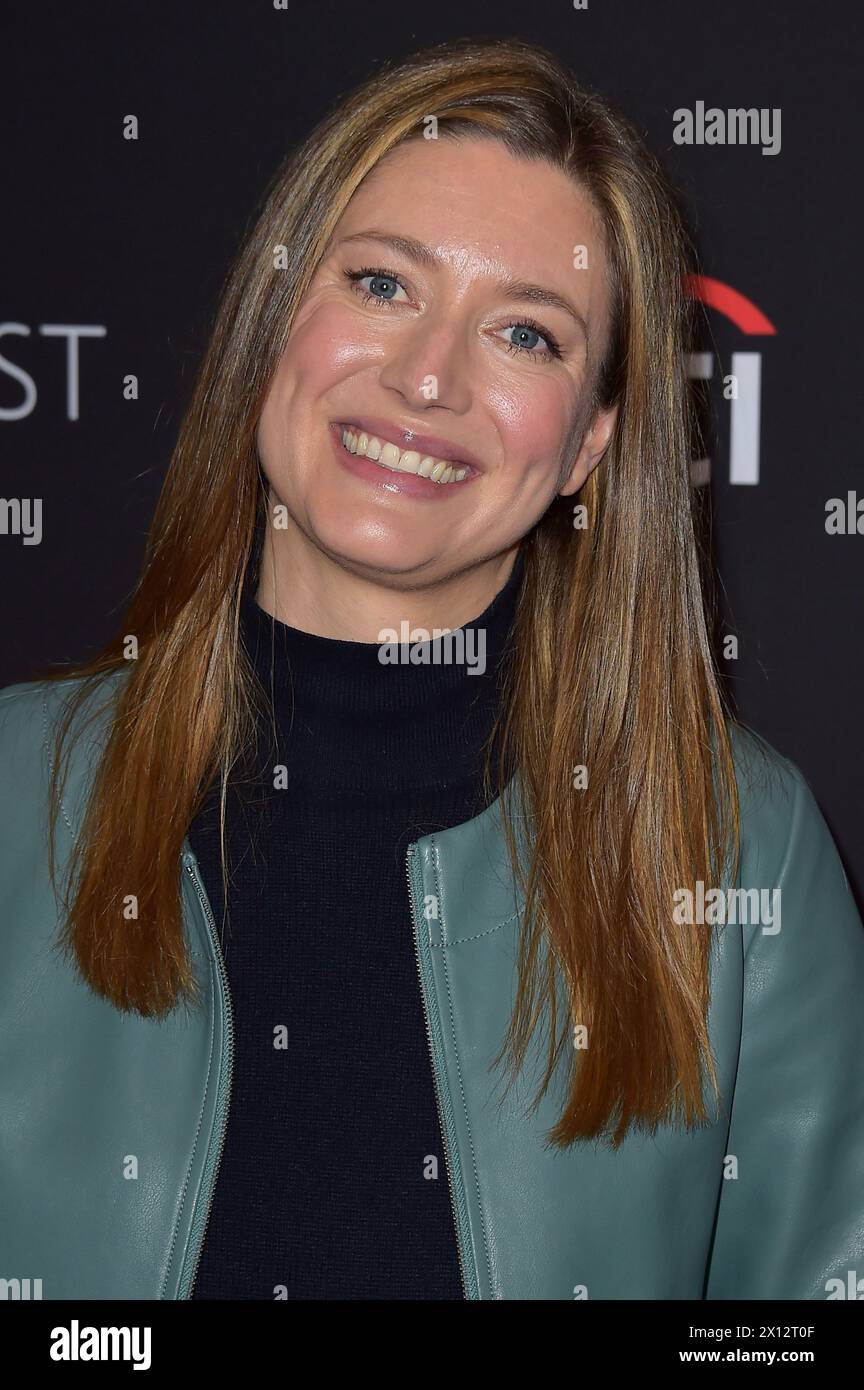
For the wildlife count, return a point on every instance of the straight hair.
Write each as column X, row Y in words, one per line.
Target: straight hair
column 611, row 670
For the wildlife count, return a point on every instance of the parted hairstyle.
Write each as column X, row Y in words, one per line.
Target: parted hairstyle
column 612, row 665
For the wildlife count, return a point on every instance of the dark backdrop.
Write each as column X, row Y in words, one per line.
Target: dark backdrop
column 133, row 239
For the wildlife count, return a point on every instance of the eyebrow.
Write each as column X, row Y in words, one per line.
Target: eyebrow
column 424, row 256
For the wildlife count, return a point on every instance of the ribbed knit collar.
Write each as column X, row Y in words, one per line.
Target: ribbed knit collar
column 356, row 723
column 284, row 656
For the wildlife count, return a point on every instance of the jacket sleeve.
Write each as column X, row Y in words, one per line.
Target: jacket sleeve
column 790, row 1225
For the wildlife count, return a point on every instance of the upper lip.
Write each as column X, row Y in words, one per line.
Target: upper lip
column 406, row 437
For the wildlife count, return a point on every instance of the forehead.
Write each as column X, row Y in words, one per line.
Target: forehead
column 482, row 209
column 488, row 183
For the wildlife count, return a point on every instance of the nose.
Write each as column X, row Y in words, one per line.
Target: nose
column 428, row 364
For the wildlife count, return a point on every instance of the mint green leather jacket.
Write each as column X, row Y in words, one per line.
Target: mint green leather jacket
column 765, row 1201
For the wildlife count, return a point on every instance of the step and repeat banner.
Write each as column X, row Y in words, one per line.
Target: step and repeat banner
column 138, row 140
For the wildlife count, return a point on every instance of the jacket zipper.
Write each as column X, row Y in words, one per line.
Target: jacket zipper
column 224, row 1092
column 446, row 1140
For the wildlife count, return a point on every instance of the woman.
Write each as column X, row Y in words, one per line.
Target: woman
column 603, row 1043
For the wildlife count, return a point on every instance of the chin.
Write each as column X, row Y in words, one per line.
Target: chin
column 378, row 550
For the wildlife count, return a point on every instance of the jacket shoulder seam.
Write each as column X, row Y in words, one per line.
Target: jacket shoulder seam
column 478, row 936
column 800, row 791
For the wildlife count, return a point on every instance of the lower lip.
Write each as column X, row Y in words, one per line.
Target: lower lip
column 407, row 484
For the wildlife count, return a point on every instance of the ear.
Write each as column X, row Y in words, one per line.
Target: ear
column 594, row 446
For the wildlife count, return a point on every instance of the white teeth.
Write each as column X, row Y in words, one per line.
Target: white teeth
column 402, row 461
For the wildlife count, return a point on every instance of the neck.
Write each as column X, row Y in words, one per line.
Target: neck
column 303, row 587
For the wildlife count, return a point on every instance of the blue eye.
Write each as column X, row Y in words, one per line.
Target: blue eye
column 525, row 331
column 383, row 283
column 532, row 331
column 386, row 288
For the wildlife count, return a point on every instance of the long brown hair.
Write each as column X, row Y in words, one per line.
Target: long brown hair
column 612, row 666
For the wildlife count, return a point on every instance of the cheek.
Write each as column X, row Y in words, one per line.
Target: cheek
column 533, row 423
column 314, row 357
column 327, row 342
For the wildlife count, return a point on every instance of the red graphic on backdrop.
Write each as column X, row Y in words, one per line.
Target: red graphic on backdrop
column 736, row 306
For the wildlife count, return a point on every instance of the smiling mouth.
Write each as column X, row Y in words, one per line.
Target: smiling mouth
column 388, row 455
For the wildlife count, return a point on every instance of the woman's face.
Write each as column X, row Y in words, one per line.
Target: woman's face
column 428, row 338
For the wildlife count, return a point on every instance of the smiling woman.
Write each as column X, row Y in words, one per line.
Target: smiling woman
column 427, row 348
column 439, row 338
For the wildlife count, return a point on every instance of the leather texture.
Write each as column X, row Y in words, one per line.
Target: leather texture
column 85, row 1089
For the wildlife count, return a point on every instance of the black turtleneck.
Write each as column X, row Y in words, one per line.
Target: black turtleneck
column 322, row 1191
